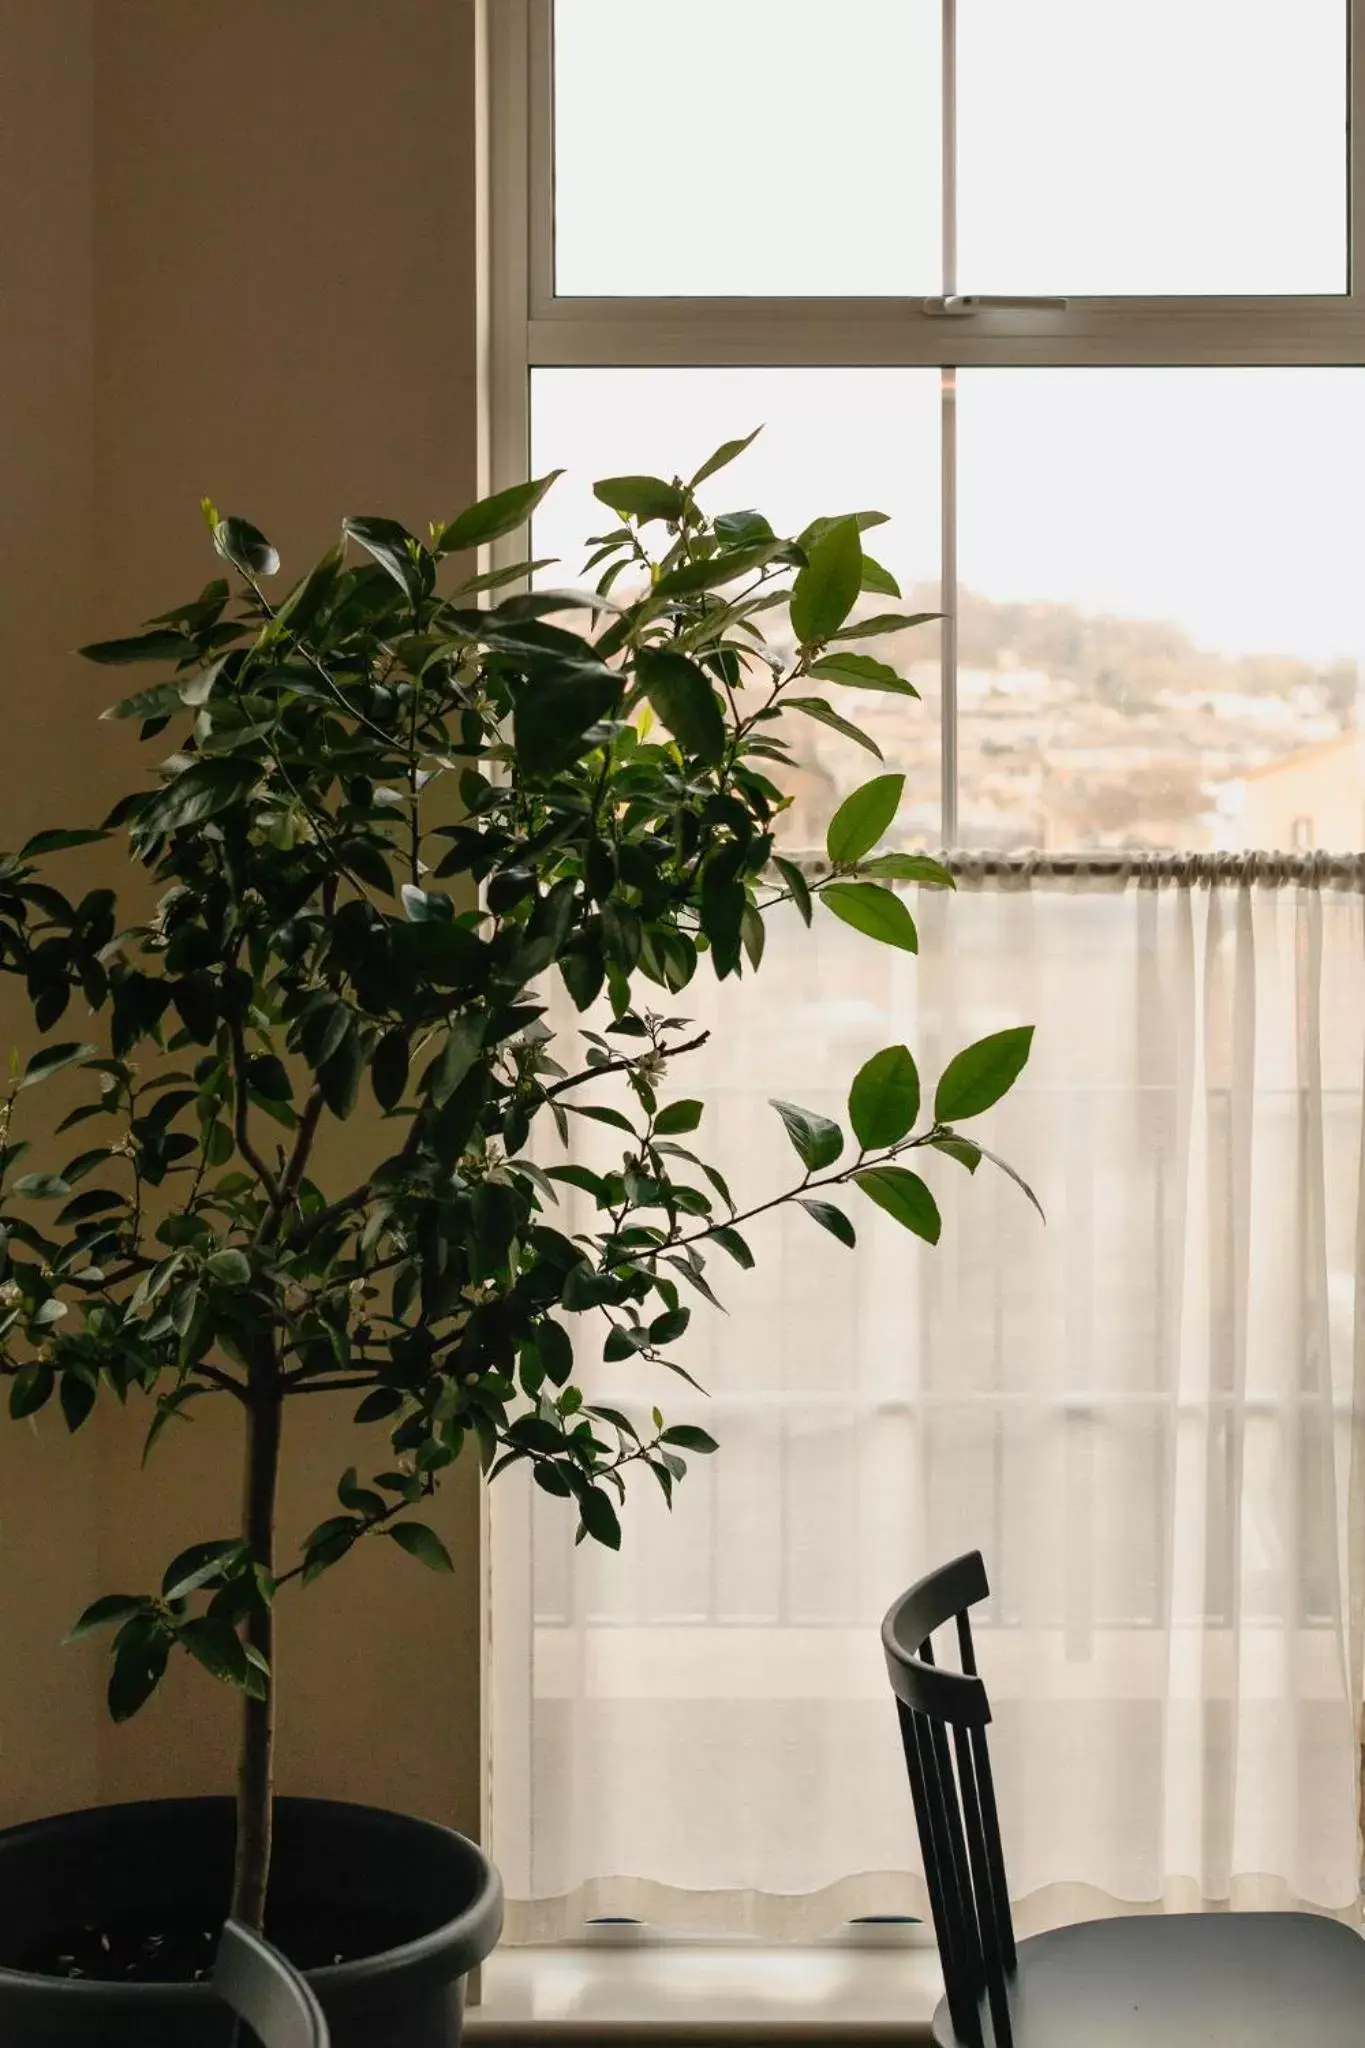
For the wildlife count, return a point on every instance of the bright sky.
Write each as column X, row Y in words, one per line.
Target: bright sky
column 1229, row 501
column 748, row 146
column 741, row 146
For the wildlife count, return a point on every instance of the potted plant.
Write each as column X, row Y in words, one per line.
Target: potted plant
column 392, row 810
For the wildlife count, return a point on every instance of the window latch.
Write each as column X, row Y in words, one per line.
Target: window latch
column 957, row 307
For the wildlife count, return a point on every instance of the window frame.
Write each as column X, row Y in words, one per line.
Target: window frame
column 528, row 326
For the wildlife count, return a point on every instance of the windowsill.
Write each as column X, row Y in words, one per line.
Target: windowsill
column 692, row 1989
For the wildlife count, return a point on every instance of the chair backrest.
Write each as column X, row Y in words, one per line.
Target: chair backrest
column 266, row 1991
column 954, row 1797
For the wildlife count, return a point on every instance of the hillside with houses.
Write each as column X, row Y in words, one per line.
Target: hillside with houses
column 1082, row 730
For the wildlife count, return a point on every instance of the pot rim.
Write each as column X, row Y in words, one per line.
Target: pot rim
column 476, row 1929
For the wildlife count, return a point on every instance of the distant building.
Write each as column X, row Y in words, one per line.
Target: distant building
column 1311, row 799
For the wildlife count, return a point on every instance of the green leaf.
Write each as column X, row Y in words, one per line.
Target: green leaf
column 299, row 612
column 75, row 1394
column 641, row 497
column 423, row 1543
column 100, row 1613
column 158, row 646
column 818, row 1142
column 862, row 818
column 389, row 1068
column 40, row 1187
column 684, row 699
column 715, row 570
column 398, row 552
column 464, row 1042
column 557, row 709
column 903, row 1195
column 878, row 580
column 816, row 708
column 375, row 1406
column 53, row 1058
column 169, row 1408
column 885, row 622
column 965, row 1151
column 723, row 456
column 877, row 912
column 667, row 1328
column 831, row 1219
column 730, row 1240
column 493, row 517
column 687, row 1438
column 825, row 590
column 599, row 1519
column 364, row 858
column 339, row 1075
column 743, row 529
column 909, row 867
column 245, row 547
column 819, row 527
column 217, row 1646
column 362, row 1500
column 424, row 906
column 162, row 701
column 139, row 1666
column 676, row 1117
column 797, row 884
column 198, row 1566
column 861, row 672
column 1009, row 1171
column 884, row 1099
column 233, row 1268
column 30, row 1390
column 267, row 1076
column 199, row 792
column 56, row 842
column 980, row 1074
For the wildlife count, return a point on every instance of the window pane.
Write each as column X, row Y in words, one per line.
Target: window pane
column 736, row 148
column 1176, row 146
column 1161, row 608
column 833, row 441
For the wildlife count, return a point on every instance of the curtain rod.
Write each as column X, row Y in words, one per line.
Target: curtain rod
column 1191, row 870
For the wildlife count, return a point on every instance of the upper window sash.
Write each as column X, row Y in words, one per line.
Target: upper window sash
column 547, row 329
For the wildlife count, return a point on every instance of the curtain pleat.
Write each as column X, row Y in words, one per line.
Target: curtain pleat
column 1146, row 1413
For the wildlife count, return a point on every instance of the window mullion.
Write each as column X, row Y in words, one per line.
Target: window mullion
column 948, row 452
column 506, row 209
column 948, row 605
column 1355, row 144
column 948, row 47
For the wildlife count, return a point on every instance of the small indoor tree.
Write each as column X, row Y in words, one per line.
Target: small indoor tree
column 392, row 811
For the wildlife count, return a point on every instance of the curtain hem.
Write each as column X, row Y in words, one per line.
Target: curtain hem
column 776, row 1919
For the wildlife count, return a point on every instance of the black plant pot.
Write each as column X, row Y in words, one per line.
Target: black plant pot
column 427, row 1901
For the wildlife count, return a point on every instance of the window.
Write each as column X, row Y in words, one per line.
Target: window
column 1069, row 289
column 1066, row 289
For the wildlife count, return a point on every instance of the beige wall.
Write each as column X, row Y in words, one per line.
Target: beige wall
column 236, row 258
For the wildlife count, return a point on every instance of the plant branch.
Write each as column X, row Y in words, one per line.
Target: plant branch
column 255, row 1780
column 296, row 1383
column 222, row 1380
column 298, row 1162
column 621, row 1066
column 244, row 1144
column 841, row 1178
column 304, row 1233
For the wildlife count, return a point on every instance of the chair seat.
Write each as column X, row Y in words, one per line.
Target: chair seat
column 1187, row 1980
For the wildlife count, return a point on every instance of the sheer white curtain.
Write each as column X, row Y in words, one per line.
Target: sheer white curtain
column 1145, row 1414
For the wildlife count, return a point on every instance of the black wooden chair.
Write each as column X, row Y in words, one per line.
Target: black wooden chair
column 1186, row 1980
column 266, row 1991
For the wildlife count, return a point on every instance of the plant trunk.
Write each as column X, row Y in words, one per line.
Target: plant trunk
column 256, row 1757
